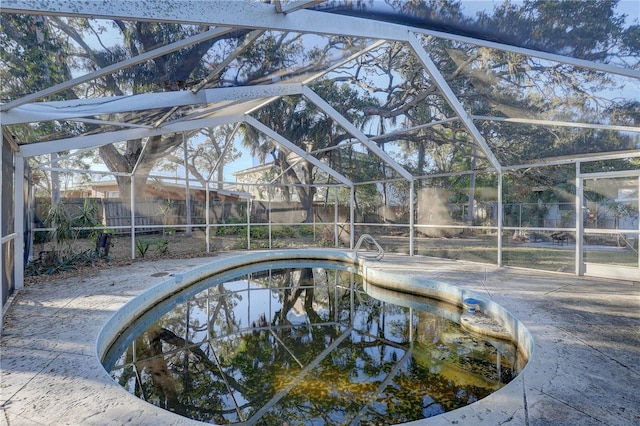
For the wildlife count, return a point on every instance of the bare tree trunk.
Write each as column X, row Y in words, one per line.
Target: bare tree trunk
column 220, row 177
column 55, row 180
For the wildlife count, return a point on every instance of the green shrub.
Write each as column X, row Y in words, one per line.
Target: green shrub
column 142, row 246
column 260, row 232
column 49, row 263
column 306, row 230
column 282, row 231
column 162, row 246
column 87, row 219
column 231, row 230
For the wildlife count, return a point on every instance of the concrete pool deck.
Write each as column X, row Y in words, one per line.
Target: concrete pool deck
column 585, row 369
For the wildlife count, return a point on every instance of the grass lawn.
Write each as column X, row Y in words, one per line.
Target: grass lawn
column 542, row 256
column 476, row 248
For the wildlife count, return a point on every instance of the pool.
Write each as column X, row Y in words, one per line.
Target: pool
column 304, row 341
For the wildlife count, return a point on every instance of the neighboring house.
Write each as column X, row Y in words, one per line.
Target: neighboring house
column 164, row 190
column 162, row 203
column 263, row 182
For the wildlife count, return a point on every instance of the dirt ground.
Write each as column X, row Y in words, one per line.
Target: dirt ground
column 177, row 246
column 157, row 246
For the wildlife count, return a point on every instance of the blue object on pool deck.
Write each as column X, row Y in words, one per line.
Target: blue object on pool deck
column 471, row 304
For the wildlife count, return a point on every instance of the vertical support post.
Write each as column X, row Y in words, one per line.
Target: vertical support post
column 352, row 202
column 132, row 207
column 579, row 222
column 500, row 211
column 411, row 216
column 638, row 235
column 248, row 222
column 207, row 218
column 2, row 295
column 335, row 216
column 18, row 220
column 269, row 213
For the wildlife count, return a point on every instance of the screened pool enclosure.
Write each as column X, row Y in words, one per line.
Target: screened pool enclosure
column 503, row 133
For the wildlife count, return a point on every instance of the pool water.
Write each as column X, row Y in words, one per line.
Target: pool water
column 306, row 345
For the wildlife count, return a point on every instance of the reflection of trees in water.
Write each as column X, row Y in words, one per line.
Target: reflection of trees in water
column 375, row 375
column 223, row 314
column 289, row 297
column 176, row 379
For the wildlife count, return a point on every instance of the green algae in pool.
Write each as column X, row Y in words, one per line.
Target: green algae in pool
column 306, row 345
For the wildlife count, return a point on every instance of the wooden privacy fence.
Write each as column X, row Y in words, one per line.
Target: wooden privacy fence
column 151, row 213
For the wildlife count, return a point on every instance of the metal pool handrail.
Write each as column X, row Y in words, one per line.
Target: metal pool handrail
column 368, row 238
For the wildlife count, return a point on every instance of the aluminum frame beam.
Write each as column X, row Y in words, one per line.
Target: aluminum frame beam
column 558, row 123
column 97, row 140
column 452, row 99
column 299, row 377
column 219, row 12
column 402, row 132
column 79, row 108
column 556, row 161
column 355, row 132
column 281, row 140
column 343, row 61
column 243, row 14
column 324, row 72
column 207, row 35
column 581, row 63
column 246, row 43
column 295, row 5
